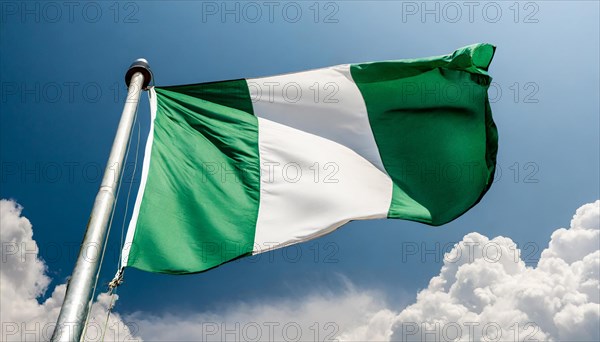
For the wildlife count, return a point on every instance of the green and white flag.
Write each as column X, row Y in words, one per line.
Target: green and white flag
column 240, row 167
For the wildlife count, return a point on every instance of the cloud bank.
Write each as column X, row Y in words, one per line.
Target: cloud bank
column 484, row 292
column 313, row 318
column 24, row 280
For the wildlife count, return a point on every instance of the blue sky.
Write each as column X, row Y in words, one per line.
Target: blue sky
column 62, row 70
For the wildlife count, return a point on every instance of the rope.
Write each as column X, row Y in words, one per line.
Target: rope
column 135, row 163
column 118, row 280
column 110, row 307
column 90, row 304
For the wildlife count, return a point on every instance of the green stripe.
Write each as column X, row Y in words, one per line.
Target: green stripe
column 200, row 204
column 434, row 130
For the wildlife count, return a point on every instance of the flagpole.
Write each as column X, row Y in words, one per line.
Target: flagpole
column 75, row 307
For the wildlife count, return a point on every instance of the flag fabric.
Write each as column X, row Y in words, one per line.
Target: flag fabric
column 240, row 167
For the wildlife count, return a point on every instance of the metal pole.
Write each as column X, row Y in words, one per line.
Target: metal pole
column 75, row 307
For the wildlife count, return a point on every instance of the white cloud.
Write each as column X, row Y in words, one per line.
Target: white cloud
column 316, row 317
column 24, row 280
column 486, row 292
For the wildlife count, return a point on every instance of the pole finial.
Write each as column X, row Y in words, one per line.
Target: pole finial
column 139, row 65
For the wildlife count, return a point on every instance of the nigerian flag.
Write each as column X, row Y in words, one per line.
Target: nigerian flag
column 240, row 167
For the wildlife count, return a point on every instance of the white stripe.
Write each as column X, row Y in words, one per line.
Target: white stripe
column 140, row 195
column 325, row 102
column 311, row 185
